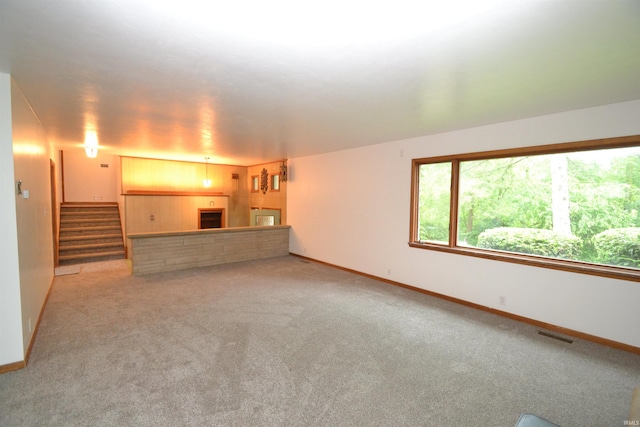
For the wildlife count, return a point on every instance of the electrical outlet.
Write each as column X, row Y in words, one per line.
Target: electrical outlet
column 388, row 271
column 502, row 300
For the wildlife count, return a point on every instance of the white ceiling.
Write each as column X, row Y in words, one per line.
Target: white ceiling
column 245, row 81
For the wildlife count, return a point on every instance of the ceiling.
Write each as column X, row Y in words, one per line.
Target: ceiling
column 245, row 82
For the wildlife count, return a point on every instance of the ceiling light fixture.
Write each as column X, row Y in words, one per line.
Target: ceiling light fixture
column 91, row 144
column 92, row 152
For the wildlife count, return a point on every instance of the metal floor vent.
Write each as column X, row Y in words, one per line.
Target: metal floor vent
column 555, row 337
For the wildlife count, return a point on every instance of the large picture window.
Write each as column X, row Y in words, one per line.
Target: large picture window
column 572, row 206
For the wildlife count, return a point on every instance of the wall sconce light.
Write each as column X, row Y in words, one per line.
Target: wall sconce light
column 206, row 181
column 283, row 170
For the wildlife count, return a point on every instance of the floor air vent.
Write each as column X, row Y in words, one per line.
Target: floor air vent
column 555, row 337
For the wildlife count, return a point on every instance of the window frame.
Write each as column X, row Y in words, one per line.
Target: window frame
column 624, row 273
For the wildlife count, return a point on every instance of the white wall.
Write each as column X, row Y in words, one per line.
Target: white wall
column 351, row 209
column 31, row 157
column 11, row 340
column 86, row 181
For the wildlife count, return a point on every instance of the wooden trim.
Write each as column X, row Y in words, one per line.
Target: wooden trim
column 23, row 364
column 62, row 175
column 415, row 197
column 611, row 272
column 12, row 367
column 453, row 203
column 172, row 193
column 37, row 325
column 518, row 318
column 54, row 211
column 566, row 147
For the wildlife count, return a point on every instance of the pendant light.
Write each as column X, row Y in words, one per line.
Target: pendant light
column 206, row 181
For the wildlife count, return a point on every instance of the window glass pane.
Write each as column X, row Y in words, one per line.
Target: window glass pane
column 263, row 220
column 582, row 206
column 434, row 202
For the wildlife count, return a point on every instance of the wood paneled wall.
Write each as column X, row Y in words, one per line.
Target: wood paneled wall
column 179, row 212
column 171, row 175
column 139, row 174
column 271, row 199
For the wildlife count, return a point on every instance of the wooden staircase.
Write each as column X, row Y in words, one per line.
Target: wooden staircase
column 89, row 232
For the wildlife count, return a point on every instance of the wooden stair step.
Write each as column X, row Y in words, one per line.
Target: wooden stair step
column 78, row 210
column 89, row 237
column 90, row 232
column 90, row 255
column 65, row 219
column 90, row 212
column 88, row 204
column 97, row 228
column 88, row 220
column 90, row 246
column 64, row 246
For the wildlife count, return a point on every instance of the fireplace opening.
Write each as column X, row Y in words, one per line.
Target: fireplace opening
column 210, row 218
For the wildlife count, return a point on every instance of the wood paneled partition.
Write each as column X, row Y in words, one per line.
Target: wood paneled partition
column 273, row 197
column 150, row 176
column 171, row 175
column 167, row 195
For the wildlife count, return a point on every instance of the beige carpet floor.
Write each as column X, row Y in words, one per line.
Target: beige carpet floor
column 288, row 342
